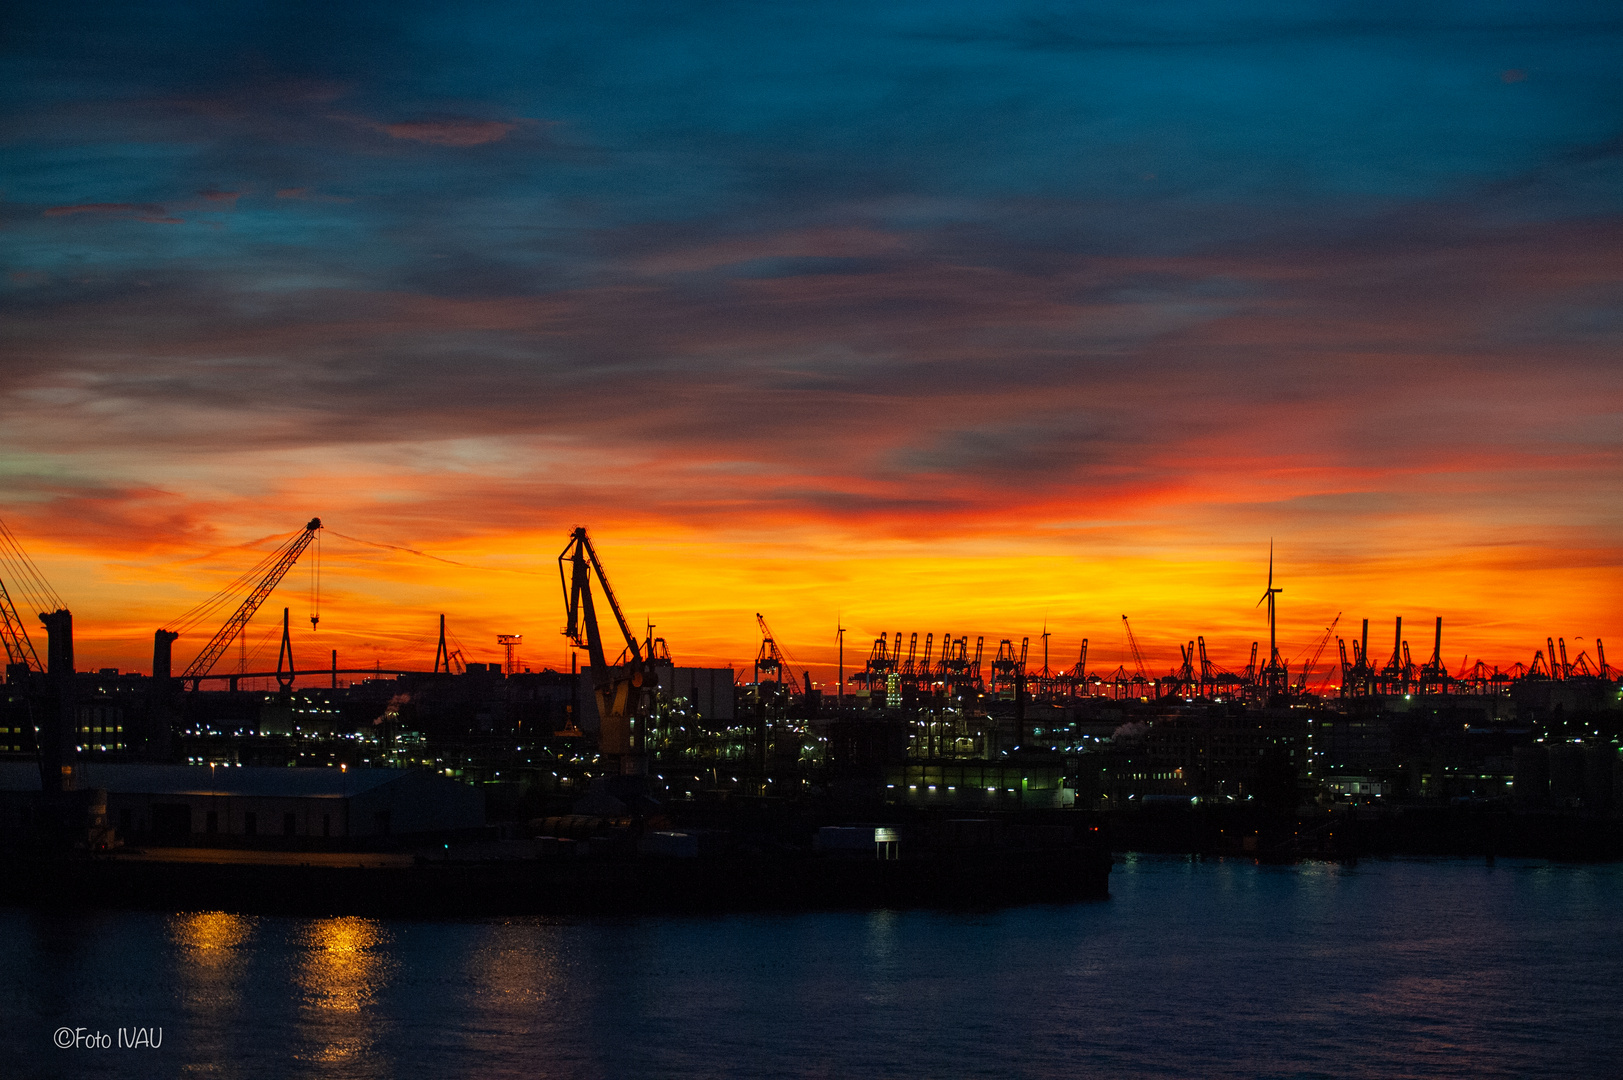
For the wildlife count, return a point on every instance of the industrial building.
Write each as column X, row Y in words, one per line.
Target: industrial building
column 193, row 803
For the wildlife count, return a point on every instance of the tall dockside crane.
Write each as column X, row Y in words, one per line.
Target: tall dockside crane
column 954, row 669
column 1079, row 674
column 1394, row 677
column 883, row 661
column 1140, row 679
column 1434, row 677
column 272, row 569
column 1009, row 670
column 1187, row 681
column 21, row 659
column 772, row 661
column 50, row 685
column 620, row 688
column 1306, row 672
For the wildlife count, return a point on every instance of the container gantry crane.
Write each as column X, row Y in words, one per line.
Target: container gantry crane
column 620, row 688
column 1078, row 675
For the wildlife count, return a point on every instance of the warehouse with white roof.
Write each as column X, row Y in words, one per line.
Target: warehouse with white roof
column 189, row 803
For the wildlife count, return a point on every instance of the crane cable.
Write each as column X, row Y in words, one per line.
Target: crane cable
column 24, row 576
column 315, row 584
column 232, row 592
column 437, row 558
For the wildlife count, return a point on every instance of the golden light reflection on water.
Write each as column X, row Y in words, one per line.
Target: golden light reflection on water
column 515, row 965
column 210, row 939
column 344, row 963
column 213, row 950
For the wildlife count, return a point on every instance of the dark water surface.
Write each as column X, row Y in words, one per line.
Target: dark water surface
column 1214, row 968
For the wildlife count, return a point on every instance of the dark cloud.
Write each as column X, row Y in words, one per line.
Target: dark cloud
column 851, row 264
column 150, row 212
column 452, row 132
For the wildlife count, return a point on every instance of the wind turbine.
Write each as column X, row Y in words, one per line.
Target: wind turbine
column 1272, row 670
column 839, row 636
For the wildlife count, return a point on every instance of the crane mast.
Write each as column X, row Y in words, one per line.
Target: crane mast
column 233, row 626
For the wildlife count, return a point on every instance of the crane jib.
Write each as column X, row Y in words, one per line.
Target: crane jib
column 222, row 639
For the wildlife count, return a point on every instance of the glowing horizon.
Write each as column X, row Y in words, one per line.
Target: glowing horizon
column 380, row 606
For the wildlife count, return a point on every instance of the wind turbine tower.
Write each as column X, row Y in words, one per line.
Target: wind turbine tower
column 1274, row 678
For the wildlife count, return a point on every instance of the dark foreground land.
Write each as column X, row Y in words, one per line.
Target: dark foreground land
column 1472, row 830
column 582, row 865
column 642, row 884
column 586, row 866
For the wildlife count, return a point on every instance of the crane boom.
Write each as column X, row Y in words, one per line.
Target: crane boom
column 1138, row 657
column 35, row 591
column 14, row 635
column 1302, row 676
column 233, row 626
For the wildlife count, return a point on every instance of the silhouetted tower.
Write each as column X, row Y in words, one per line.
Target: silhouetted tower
column 284, row 655
column 442, row 656
column 839, row 638
column 1275, row 679
column 510, row 642
column 58, row 719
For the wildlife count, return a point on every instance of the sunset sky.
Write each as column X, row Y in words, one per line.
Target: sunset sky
column 942, row 317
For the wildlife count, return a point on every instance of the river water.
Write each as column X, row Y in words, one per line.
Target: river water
column 1191, row 968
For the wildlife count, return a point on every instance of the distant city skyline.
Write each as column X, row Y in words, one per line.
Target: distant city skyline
column 920, row 318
